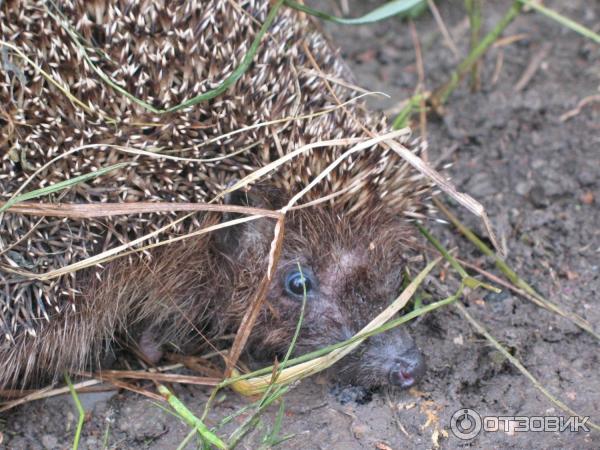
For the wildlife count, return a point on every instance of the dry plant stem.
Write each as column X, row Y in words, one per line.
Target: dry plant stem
column 585, row 101
column 420, row 85
column 133, row 388
column 465, row 200
column 515, row 362
column 439, row 97
column 7, row 394
column 498, row 66
column 254, row 308
column 490, row 276
column 47, row 392
column 512, row 276
column 97, row 210
column 282, row 120
column 474, row 11
column 82, row 386
column 443, row 29
column 534, row 64
column 41, row 393
column 422, row 167
column 360, row 144
column 156, row 376
column 120, row 251
column 456, row 265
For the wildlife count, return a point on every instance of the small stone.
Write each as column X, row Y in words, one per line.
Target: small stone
column 92, row 442
column 49, row 441
column 522, row 187
column 586, row 177
column 537, row 197
column 359, row 430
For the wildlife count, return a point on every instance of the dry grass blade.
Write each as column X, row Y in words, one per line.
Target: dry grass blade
column 109, row 376
column 443, row 28
column 259, row 384
column 47, row 76
column 534, row 64
column 515, row 362
column 45, row 393
column 157, row 377
column 573, row 112
column 361, row 144
column 284, row 119
column 513, row 277
column 61, row 185
column 464, row 199
column 254, row 308
column 120, row 250
column 97, row 210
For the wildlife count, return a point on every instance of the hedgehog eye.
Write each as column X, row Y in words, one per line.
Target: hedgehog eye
column 297, row 281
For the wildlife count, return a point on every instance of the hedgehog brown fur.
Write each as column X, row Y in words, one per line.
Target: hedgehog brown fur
column 166, row 53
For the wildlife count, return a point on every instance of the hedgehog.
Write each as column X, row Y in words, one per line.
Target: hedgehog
column 345, row 252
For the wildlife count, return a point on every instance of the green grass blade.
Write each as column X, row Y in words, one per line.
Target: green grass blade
column 569, row 23
column 323, row 351
column 80, row 410
column 190, row 418
column 390, row 9
column 226, row 84
column 60, row 186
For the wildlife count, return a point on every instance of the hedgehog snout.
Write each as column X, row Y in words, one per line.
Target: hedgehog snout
column 407, row 368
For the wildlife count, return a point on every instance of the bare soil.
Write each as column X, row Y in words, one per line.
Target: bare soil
column 539, row 178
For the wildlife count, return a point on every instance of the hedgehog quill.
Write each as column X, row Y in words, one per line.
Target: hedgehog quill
column 352, row 248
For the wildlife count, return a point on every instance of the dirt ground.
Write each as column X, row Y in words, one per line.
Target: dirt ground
column 539, row 178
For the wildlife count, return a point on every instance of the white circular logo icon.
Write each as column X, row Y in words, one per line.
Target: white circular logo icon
column 465, row 423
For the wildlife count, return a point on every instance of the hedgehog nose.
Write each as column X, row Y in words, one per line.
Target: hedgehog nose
column 407, row 369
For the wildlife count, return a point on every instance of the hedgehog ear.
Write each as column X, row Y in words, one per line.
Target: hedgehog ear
column 235, row 240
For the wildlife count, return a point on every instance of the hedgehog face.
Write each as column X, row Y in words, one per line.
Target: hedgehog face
column 349, row 272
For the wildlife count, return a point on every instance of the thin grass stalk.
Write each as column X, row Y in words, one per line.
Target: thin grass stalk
column 226, row 84
column 474, row 11
column 512, row 276
column 80, row 411
column 440, row 96
column 563, row 20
